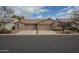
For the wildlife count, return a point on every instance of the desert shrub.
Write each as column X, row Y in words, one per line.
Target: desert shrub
column 5, row 31
column 72, row 28
column 78, row 30
column 57, row 29
column 1, row 31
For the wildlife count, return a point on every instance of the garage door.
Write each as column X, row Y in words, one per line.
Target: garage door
column 44, row 27
column 30, row 27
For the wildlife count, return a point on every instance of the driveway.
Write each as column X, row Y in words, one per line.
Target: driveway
column 26, row 32
column 34, row 32
column 46, row 32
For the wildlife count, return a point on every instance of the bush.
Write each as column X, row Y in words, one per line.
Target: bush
column 57, row 29
column 78, row 30
column 1, row 31
column 5, row 31
column 72, row 28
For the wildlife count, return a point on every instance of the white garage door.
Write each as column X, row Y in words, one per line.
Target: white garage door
column 44, row 27
column 30, row 27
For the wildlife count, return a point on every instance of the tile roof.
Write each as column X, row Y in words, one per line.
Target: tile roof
column 36, row 21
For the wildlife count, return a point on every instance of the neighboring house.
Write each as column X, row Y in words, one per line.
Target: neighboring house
column 60, row 22
column 7, row 24
column 43, row 24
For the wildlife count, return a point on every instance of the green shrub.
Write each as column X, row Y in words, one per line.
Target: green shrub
column 4, row 31
column 72, row 28
column 78, row 30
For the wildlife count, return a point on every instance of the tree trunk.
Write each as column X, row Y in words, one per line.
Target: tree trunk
column 3, row 26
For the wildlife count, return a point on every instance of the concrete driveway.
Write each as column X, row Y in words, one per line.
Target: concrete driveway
column 26, row 32
column 34, row 32
column 46, row 32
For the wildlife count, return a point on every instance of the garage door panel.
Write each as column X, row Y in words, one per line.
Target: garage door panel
column 44, row 27
column 30, row 27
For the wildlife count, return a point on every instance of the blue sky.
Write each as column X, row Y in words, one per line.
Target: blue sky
column 52, row 11
column 44, row 11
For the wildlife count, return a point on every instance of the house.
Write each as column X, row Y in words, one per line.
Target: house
column 36, row 24
column 7, row 24
column 46, row 24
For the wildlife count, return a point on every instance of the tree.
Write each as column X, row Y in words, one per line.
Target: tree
column 18, row 17
column 65, row 25
column 22, row 17
column 5, row 14
column 75, row 14
column 14, row 16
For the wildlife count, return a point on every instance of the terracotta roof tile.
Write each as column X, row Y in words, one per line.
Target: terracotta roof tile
column 42, row 21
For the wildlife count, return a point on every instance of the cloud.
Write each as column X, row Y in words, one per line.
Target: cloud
column 32, row 9
column 36, row 9
column 69, row 7
column 60, row 14
column 45, row 17
column 39, row 16
column 27, row 11
column 64, row 16
column 41, row 11
column 66, row 12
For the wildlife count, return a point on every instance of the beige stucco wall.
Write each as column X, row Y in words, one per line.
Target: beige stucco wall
column 19, row 26
column 33, row 27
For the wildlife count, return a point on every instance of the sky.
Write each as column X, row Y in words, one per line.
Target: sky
column 39, row 12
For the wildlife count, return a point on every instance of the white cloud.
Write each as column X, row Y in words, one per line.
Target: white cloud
column 66, row 12
column 65, row 17
column 33, row 9
column 39, row 16
column 27, row 11
column 53, row 17
column 59, row 14
column 69, row 7
column 41, row 11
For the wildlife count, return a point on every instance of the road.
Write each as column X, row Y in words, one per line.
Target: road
column 39, row 43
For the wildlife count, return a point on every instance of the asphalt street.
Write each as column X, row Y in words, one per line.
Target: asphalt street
column 39, row 43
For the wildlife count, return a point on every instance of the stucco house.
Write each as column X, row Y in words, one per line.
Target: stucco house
column 36, row 24
column 7, row 24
